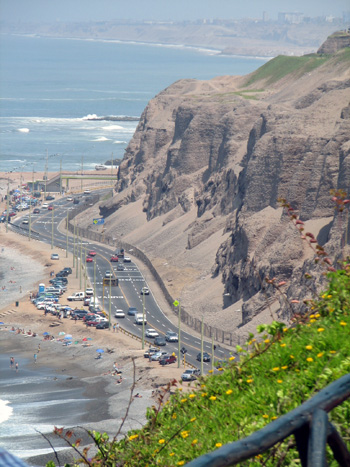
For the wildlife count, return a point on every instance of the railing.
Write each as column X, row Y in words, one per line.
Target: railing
column 308, row 423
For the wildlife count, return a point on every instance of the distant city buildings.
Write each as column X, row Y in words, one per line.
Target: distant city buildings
column 291, row 18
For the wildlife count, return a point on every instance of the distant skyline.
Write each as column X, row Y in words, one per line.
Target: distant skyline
column 162, row 10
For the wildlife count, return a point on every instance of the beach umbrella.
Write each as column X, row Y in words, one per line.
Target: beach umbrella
column 1, row 322
column 68, row 337
column 46, row 333
column 62, row 333
column 100, row 350
column 85, row 339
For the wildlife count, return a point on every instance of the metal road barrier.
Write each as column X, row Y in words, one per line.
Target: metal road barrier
column 308, row 423
column 25, row 232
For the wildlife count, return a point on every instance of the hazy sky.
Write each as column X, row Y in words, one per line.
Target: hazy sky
column 98, row 10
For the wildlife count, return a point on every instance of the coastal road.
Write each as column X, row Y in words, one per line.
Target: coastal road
column 127, row 294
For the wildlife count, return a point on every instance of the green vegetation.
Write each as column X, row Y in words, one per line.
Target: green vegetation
column 281, row 66
column 275, row 374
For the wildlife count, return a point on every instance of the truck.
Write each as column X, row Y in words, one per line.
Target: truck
column 76, row 296
column 140, row 319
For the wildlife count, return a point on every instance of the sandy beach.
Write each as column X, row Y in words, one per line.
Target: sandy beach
column 24, row 265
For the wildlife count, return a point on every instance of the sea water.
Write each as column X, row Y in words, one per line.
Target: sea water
column 53, row 93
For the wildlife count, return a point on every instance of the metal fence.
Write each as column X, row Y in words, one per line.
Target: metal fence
column 218, row 335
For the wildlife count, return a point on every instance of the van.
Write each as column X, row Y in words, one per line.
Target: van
column 140, row 319
column 76, row 296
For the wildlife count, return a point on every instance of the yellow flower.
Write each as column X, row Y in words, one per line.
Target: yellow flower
column 210, row 371
column 181, row 463
column 284, row 367
column 309, row 359
column 192, row 396
column 220, row 369
column 283, row 345
column 193, row 419
column 329, row 296
column 312, row 320
column 324, row 295
column 274, row 418
column 184, row 434
column 204, row 394
column 174, row 416
column 317, row 315
column 218, row 445
column 161, row 441
column 285, row 329
column 332, row 351
column 267, row 341
column 172, row 454
column 212, row 398
column 202, row 385
column 265, row 416
column 343, row 323
column 183, row 401
column 195, row 441
column 232, row 358
column 249, row 380
column 291, row 356
column 133, row 437
column 320, row 354
column 229, row 391
column 279, row 381
column 180, row 389
column 276, row 368
column 320, row 329
column 308, row 347
column 312, row 316
column 297, row 371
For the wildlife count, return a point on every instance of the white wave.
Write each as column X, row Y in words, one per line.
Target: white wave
column 112, row 127
column 91, row 117
column 5, row 411
column 101, row 139
column 120, row 142
column 23, row 130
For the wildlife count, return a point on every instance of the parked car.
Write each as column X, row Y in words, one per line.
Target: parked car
column 36, row 211
column 190, row 374
column 62, row 273
column 151, row 333
column 89, row 291
column 158, row 355
column 144, row 291
column 55, row 256
column 167, row 360
column 49, row 198
column 171, row 336
column 127, row 259
column 69, row 270
column 62, row 280
column 119, row 314
column 132, row 311
column 150, row 351
column 94, row 307
column 206, row 357
column 103, row 325
column 160, row 341
column 114, row 259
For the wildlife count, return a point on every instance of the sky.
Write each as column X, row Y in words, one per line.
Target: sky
column 162, row 10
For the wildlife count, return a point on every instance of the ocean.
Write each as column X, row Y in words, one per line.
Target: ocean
column 56, row 93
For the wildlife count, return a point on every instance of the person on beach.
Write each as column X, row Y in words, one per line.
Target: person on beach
column 114, row 327
column 39, row 348
column 35, row 357
column 12, row 362
column 117, row 327
column 16, row 367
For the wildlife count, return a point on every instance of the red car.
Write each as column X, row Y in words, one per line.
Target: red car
column 167, row 360
column 89, row 259
column 50, row 207
column 92, row 253
column 114, row 259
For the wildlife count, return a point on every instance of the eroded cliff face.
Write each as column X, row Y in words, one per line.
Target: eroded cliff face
column 203, row 175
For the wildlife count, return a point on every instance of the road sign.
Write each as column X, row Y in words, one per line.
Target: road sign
column 98, row 221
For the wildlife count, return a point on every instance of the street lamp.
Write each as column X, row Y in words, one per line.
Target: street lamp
column 143, row 320
column 176, row 303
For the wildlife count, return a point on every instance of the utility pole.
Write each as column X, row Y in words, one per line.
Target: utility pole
column 202, row 335
column 74, row 230
column 45, row 174
column 52, row 229
column 94, row 282
column 176, row 303
column 84, row 267
column 143, row 321
column 61, row 176
column 110, row 301
column 82, row 172
column 67, row 222
column 7, row 204
column 81, row 265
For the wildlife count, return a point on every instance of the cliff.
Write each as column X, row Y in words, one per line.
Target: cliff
column 200, row 181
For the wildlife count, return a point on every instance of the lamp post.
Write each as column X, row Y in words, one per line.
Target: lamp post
column 202, row 334
column 81, row 265
column 176, row 303
column 7, row 205
column 110, row 301
column 84, row 267
column 52, row 229
column 67, row 222
column 143, row 321
column 94, row 282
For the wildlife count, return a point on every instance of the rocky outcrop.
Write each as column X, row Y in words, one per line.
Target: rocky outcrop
column 200, row 183
column 335, row 42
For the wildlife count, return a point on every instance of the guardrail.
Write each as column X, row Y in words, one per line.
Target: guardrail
column 219, row 335
column 25, row 232
column 308, row 423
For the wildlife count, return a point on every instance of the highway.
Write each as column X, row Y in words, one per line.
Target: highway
column 127, row 293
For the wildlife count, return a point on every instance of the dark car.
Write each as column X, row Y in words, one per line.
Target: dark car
column 59, row 280
column 103, row 325
column 206, row 357
column 49, row 198
column 120, row 267
column 167, row 360
column 75, row 201
column 69, row 270
column 62, row 274
column 50, row 207
column 36, row 211
column 3, row 219
column 92, row 323
column 159, row 341
column 132, row 311
column 79, row 314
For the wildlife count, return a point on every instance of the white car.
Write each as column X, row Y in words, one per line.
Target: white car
column 70, row 198
column 87, row 192
column 151, row 333
column 144, row 291
column 89, row 291
column 127, row 259
column 44, row 206
column 55, row 256
column 108, row 274
column 119, row 314
column 25, row 221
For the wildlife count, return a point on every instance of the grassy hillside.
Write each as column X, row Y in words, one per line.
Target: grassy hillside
column 277, row 371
